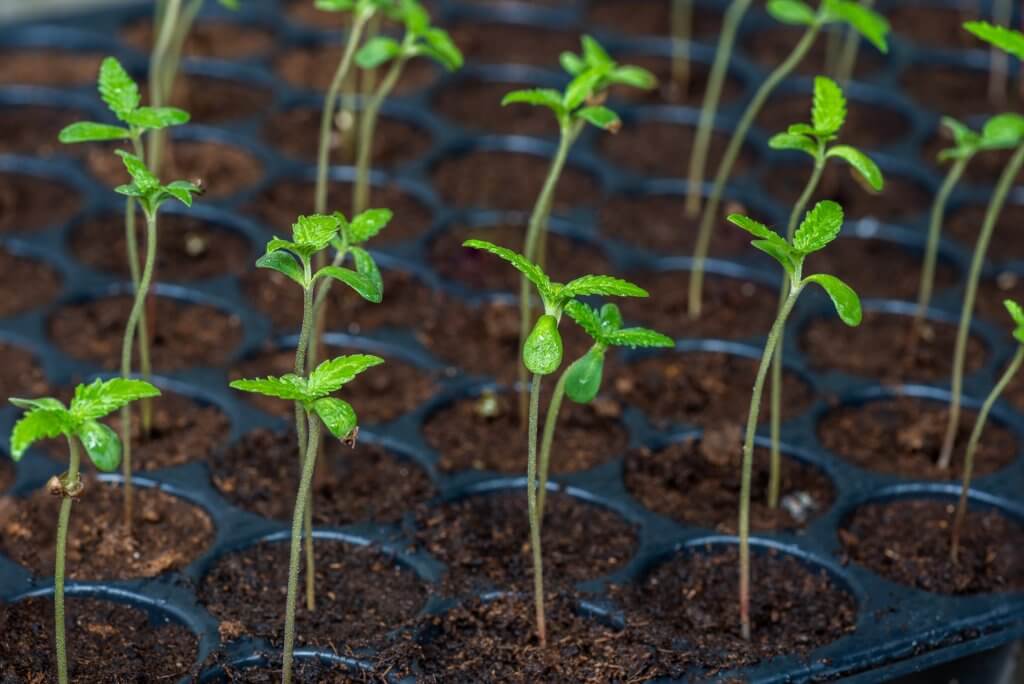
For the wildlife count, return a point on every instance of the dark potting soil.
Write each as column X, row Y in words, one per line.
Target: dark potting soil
column 312, row 67
column 20, row 374
column 775, row 43
column 260, row 474
column 296, row 132
column 697, row 481
column 213, row 100
column 107, row 642
column 188, row 248
column 29, row 203
column 361, row 595
column 566, row 258
column 965, row 224
column 278, row 205
column 308, row 671
column 903, row 436
column 687, row 608
column 983, row 169
column 991, row 294
column 493, row 43
column 183, row 334
column 382, row 394
column 208, row 38
column 689, row 93
column 934, row 26
column 49, row 66
column 649, row 18
column 868, row 125
column 15, row 273
column 958, row 91
column 33, row 129
column 652, row 148
column 168, row 533
column 475, row 104
column 832, row 345
column 497, row 179
column 7, row 474
column 709, row 389
column 908, row 541
column 304, row 13
column 484, row 541
column 486, row 433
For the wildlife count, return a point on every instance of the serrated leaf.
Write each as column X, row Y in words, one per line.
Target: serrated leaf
column 101, row 397
column 792, row 12
column 339, row 416
column 636, row 338
column 820, row 226
column 583, row 377
column 828, row 111
column 315, row 231
column 790, row 141
column 335, row 5
column 442, row 49
column 780, row 252
column 289, row 386
column 363, row 286
column 595, row 55
column 802, row 129
column 129, row 190
column 142, row 177
column 101, row 444
column 633, row 76
column 572, row 63
column 47, row 403
column 1015, row 311
column 538, row 97
column 1005, row 39
column 862, row 163
column 90, row 131
column 376, row 51
column 117, row 88
column 602, row 117
column 367, row 266
column 604, row 285
column 1003, row 131
column 38, row 424
column 586, row 317
column 580, row 88
column 155, row 118
column 868, row 23
column 366, row 225
column 756, row 228
column 532, row 272
column 333, row 374
column 845, row 300
column 283, row 262
column 181, row 190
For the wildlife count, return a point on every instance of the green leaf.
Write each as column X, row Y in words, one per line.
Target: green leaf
column 90, row 131
column 1003, row 131
column 376, row 51
column 289, row 386
column 538, row 97
column 180, row 190
column 779, row 252
column 283, row 262
column 583, row 377
column 791, row 12
column 595, row 55
column 862, row 163
column 532, row 272
column 868, row 23
column 1003, row 38
column 366, row 225
column 636, row 338
column 820, row 226
column 586, row 317
column 602, row 285
column 101, row 444
column 154, row 118
column 756, row 228
column 46, row 403
column 611, row 318
column 230, row 4
column 1017, row 314
column 339, row 416
column 416, row 18
column 118, row 89
column 542, row 350
column 845, row 300
column 572, row 63
column 828, row 111
column 790, row 141
column 441, row 49
column 142, row 177
column 364, row 286
column 129, row 191
column 101, row 397
column 580, row 88
column 39, row 423
column 333, row 374
column 366, row 266
column 335, row 5
column 315, row 231
column 602, row 117
column 963, row 136
column 633, row 76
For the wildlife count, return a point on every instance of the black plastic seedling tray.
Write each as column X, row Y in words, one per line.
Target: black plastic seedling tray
column 899, row 629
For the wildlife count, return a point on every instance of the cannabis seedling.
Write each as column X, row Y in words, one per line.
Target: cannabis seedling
column 682, row 30
column 866, row 22
column 1017, row 314
column 79, row 424
column 819, row 227
column 542, row 355
column 312, row 395
column 828, row 114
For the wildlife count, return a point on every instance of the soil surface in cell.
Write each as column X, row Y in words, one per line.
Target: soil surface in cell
column 957, row 91
column 33, row 130
column 30, row 203
column 475, row 104
column 7, row 474
column 18, row 271
column 902, row 198
column 312, row 67
column 775, row 43
column 684, row 90
column 934, row 26
column 652, row 148
column 210, row 39
column 303, row 672
column 20, row 374
column 49, row 67
column 965, row 224
column 983, row 169
column 507, row 43
column 649, row 18
column 213, row 100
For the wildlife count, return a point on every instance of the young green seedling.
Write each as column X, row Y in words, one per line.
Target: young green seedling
column 593, row 73
column 819, row 227
column 682, row 30
column 1017, row 314
column 79, row 424
column 313, row 395
column 848, row 52
column 866, row 22
column 828, row 114
column 121, row 94
column 542, row 355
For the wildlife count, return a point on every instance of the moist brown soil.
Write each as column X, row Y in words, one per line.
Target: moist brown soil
column 107, row 642
column 15, row 273
column 188, row 248
column 29, row 203
column 278, row 205
column 868, row 125
column 953, row 90
column 709, row 389
column 493, row 43
column 901, row 199
column 476, row 104
column 690, row 93
column 697, row 481
column 296, row 132
column 32, row 130
column 903, row 436
column 908, row 541
column 773, row 45
column 934, row 26
column 7, row 474
column 303, row 12
column 260, row 473
column 221, row 170
column 485, row 433
column 361, row 595
column 312, row 671
column 508, row 180
column 730, row 308
column 662, row 148
column 168, row 533
column 983, row 169
column 567, row 258
column 20, row 374
column 831, row 345
column 312, row 68
column 49, row 66
column 689, row 614
column 213, row 100
column 992, row 292
column 209, row 39
column 649, row 18
column 183, row 334
column 1007, row 244
column 484, row 541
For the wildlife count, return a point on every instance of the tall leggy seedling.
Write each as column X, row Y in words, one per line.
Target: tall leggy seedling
column 542, row 355
column 312, row 394
column 79, row 424
column 819, row 227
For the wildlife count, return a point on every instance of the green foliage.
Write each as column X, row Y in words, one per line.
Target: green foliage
column 102, row 397
column 868, row 23
column 828, row 109
column 288, row 386
column 792, row 12
column 820, row 226
column 1017, row 314
column 332, row 375
column 601, row 285
column 532, row 272
column 861, row 163
column 101, row 444
column 1005, row 39
column 421, row 39
column 1003, row 132
column 338, row 415
column 844, row 299
column 583, row 377
column 365, row 225
column 966, row 142
column 117, row 89
column 146, row 187
column 542, row 351
column 90, row 131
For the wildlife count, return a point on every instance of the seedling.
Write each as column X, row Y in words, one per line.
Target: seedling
column 542, row 355
column 682, row 30
column 828, row 114
column 593, row 72
column 1017, row 314
column 79, row 424
column 866, row 22
column 819, row 227
column 312, row 394
column 848, row 52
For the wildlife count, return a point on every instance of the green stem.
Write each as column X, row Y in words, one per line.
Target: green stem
column 320, row 307
column 682, row 29
column 848, row 56
column 550, row 422
column 716, row 79
column 60, row 636
column 364, row 143
column 145, row 365
column 972, row 447
column 531, row 502
column 324, row 149
column 309, row 462
column 748, row 458
column 739, row 134
column 995, row 207
column 1002, row 14
column 300, row 370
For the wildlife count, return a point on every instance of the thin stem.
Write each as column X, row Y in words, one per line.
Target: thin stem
column 748, row 458
column 682, row 29
column 364, row 143
column 313, row 428
column 716, row 79
column 1002, row 13
column 995, row 207
column 848, row 56
column 300, row 370
column 145, row 366
column 550, row 423
column 320, row 307
column 739, row 134
column 972, row 447
column 531, row 502
column 70, row 479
